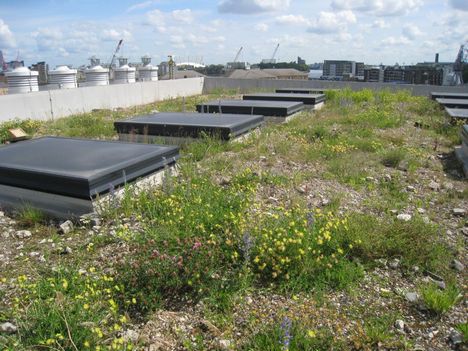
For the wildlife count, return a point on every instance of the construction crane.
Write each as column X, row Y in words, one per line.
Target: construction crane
column 237, row 55
column 272, row 59
column 115, row 53
column 274, row 53
column 457, row 78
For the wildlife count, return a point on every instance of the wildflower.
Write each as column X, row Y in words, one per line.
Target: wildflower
column 134, row 301
column 286, row 333
column 311, row 334
column 65, row 284
column 86, row 306
column 196, row 245
column 86, row 344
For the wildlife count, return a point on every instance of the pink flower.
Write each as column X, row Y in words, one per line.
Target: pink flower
column 196, row 245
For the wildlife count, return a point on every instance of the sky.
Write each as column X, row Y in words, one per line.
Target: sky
column 369, row 31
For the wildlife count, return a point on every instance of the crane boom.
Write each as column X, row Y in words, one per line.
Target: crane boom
column 237, row 55
column 458, row 67
column 115, row 52
column 274, row 52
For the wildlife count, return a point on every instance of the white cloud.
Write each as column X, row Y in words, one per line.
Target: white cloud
column 411, row 31
column 73, row 40
column 460, row 4
column 177, row 41
column 332, row 22
column 288, row 41
column 292, row 20
column 141, row 5
column 114, row 35
column 378, row 7
column 185, row 15
column 48, row 39
column 157, row 20
column 379, row 23
column 261, row 27
column 251, row 6
column 396, row 41
column 7, row 40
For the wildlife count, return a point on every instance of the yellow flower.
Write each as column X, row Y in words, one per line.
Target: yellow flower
column 86, row 344
column 65, row 283
column 134, row 301
column 311, row 334
column 86, row 306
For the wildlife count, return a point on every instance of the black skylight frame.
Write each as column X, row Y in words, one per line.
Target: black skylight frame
column 301, row 91
column 453, row 103
column 252, row 107
column 189, row 125
column 137, row 160
column 448, row 95
column 306, row 99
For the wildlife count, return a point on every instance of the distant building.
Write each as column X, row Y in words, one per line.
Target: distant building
column 42, row 68
column 374, row 74
column 11, row 65
column 424, row 75
column 300, row 61
column 340, row 69
column 395, row 74
column 250, row 74
column 417, row 74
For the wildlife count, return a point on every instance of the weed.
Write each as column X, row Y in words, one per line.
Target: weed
column 416, row 242
column 463, row 329
column 439, row 301
column 68, row 310
column 392, row 158
column 29, row 216
column 290, row 336
column 378, row 329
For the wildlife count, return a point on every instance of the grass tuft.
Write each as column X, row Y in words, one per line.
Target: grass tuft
column 439, row 301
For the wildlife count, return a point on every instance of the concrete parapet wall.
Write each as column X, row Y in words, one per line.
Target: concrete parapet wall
column 51, row 104
column 245, row 85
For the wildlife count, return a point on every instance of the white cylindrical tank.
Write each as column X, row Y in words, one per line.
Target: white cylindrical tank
column 63, row 77
column 148, row 73
column 124, row 74
column 22, row 80
column 97, row 75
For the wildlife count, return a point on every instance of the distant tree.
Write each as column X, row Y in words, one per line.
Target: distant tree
column 211, row 70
